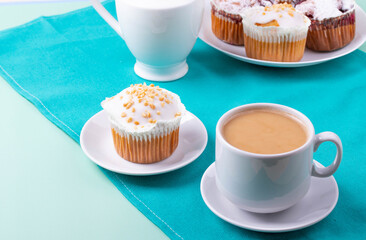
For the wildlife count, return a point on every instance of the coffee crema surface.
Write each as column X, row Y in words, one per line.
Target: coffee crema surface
column 265, row 131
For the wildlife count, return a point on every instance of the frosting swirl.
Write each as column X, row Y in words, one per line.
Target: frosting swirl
column 142, row 108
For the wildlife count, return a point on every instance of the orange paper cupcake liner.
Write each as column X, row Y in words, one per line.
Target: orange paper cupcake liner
column 274, row 51
column 227, row 27
column 331, row 34
column 146, row 151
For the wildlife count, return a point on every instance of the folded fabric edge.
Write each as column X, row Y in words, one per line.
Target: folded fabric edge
column 39, row 105
column 113, row 177
column 50, row 17
column 140, row 205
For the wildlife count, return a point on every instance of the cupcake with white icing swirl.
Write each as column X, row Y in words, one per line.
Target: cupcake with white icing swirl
column 145, row 122
column 277, row 33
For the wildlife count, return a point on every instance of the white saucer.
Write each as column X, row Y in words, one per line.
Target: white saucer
column 310, row 57
column 315, row 206
column 97, row 143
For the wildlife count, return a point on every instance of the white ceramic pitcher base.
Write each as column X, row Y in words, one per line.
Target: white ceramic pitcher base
column 161, row 74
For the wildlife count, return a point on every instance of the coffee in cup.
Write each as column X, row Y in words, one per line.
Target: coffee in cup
column 265, row 131
column 264, row 156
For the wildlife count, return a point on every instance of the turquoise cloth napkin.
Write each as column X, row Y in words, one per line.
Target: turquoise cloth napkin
column 67, row 64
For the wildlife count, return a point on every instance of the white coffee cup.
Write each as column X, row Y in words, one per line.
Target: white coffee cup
column 159, row 33
column 267, row 183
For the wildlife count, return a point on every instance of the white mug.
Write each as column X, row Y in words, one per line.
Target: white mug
column 159, row 33
column 267, row 183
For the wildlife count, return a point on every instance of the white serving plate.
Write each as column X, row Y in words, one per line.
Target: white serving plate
column 310, row 57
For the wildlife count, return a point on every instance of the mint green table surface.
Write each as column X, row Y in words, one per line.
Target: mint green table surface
column 48, row 188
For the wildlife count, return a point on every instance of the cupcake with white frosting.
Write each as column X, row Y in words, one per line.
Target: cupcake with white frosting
column 226, row 21
column 145, row 122
column 277, row 33
column 333, row 23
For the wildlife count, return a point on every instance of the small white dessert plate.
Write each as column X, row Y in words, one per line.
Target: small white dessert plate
column 97, row 143
column 310, row 57
column 315, row 206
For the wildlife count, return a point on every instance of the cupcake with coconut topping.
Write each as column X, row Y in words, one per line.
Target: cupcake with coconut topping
column 277, row 33
column 145, row 122
column 332, row 23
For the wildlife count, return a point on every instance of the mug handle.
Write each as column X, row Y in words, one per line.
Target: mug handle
column 107, row 16
column 327, row 171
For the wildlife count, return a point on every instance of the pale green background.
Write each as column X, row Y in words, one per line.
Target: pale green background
column 48, row 188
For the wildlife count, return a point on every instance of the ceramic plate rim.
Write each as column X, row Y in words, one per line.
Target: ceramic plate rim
column 155, row 172
column 268, row 230
column 207, row 40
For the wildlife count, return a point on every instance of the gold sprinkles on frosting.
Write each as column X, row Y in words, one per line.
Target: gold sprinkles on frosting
column 277, row 8
column 145, row 95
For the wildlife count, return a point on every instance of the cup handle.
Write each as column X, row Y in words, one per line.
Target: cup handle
column 107, row 16
column 327, row 171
